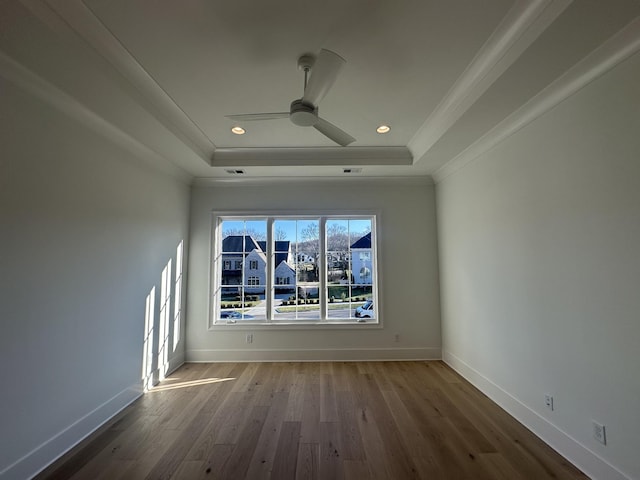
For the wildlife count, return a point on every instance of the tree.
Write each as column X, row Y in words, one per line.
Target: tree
column 240, row 232
column 310, row 232
column 337, row 237
column 311, row 240
column 280, row 234
column 311, row 244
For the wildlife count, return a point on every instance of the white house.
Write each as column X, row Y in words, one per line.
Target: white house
column 244, row 258
column 255, row 272
column 285, row 275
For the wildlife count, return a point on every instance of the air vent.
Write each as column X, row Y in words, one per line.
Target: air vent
column 235, row 172
column 352, row 170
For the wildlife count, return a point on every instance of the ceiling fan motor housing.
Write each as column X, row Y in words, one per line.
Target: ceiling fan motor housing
column 303, row 114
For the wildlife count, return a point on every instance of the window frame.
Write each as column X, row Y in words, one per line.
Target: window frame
column 217, row 217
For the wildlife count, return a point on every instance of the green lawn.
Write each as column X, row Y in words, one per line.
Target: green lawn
column 232, row 304
column 307, row 308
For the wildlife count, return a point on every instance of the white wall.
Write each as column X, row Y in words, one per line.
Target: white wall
column 86, row 230
column 408, row 273
column 540, row 273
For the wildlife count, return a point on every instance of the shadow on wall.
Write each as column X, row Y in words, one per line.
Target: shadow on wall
column 158, row 342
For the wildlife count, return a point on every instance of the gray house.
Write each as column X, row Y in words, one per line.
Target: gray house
column 361, row 260
column 245, row 257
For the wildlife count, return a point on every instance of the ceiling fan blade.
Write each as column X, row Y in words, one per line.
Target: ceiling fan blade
column 248, row 117
column 334, row 133
column 323, row 75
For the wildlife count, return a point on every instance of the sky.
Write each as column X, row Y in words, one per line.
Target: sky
column 292, row 229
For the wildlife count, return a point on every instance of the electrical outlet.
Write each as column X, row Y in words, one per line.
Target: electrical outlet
column 548, row 402
column 397, row 337
column 249, row 337
column 599, row 432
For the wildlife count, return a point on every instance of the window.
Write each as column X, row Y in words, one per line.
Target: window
column 238, row 265
column 303, row 269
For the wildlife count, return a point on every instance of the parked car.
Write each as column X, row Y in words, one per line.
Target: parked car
column 365, row 310
column 233, row 315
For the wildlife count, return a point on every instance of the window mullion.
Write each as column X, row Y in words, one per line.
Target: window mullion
column 217, row 266
column 269, row 288
column 322, row 293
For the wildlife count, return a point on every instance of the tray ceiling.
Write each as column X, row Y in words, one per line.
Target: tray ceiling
column 445, row 75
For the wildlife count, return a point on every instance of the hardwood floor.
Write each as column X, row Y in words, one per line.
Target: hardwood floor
column 369, row 420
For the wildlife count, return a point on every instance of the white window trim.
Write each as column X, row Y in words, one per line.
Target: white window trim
column 270, row 215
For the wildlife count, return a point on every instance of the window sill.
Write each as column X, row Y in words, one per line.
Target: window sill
column 320, row 325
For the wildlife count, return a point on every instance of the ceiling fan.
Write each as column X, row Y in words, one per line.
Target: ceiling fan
column 304, row 111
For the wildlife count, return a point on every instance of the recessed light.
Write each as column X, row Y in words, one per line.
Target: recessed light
column 238, row 130
column 383, row 129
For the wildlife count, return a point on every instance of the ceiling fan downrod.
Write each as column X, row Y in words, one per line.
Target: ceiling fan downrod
column 305, row 62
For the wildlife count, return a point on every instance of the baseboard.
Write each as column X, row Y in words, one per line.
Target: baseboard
column 39, row 458
column 175, row 362
column 589, row 462
column 313, row 355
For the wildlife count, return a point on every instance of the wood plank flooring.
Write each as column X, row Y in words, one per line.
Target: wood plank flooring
column 333, row 420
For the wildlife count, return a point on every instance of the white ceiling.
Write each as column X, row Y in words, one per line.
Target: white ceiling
column 451, row 77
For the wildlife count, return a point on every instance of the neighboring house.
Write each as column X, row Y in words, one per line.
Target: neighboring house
column 243, row 254
column 282, row 250
column 361, row 261
column 285, row 276
column 235, row 248
column 305, row 258
column 255, row 271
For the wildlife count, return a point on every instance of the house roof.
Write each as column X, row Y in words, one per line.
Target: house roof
column 234, row 243
column 281, row 245
column 258, row 253
column 286, row 265
column 281, row 249
column 363, row 242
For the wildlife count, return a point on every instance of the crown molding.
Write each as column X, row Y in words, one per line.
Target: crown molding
column 41, row 89
column 325, row 156
column 141, row 85
column 256, row 181
column 522, row 25
column 615, row 50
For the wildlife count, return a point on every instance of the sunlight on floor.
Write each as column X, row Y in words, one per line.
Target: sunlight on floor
column 193, row 383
